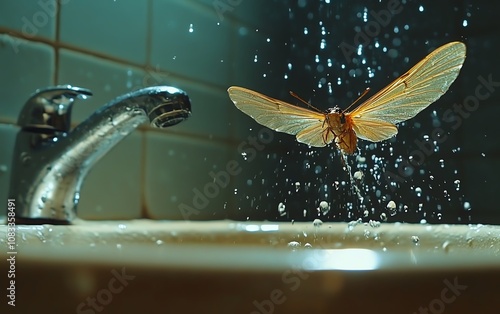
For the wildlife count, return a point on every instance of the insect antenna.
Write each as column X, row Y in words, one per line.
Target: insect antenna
column 305, row 102
column 360, row 96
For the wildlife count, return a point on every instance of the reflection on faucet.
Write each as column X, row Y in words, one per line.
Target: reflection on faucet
column 50, row 162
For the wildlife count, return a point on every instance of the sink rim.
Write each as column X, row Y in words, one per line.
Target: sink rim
column 123, row 242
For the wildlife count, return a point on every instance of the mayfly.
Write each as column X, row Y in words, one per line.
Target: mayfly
column 374, row 120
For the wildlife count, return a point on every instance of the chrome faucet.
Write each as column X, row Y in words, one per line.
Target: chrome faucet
column 51, row 161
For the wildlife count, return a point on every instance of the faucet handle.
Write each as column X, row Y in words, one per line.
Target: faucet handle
column 50, row 108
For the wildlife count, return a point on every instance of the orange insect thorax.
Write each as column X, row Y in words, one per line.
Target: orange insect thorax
column 341, row 126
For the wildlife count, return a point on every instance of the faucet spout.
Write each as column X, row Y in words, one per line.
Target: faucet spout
column 49, row 166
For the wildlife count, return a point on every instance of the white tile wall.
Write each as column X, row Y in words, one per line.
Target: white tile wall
column 113, row 47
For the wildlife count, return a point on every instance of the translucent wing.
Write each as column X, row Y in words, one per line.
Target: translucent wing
column 409, row 94
column 307, row 125
column 374, row 130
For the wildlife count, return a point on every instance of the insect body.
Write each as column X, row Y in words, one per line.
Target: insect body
column 340, row 127
column 374, row 120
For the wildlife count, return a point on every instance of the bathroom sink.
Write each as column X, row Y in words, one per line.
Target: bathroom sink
column 145, row 266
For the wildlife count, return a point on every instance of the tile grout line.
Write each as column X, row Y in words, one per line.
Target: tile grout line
column 144, row 67
column 56, row 48
column 149, row 28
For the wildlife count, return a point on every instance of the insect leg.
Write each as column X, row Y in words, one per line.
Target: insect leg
column 327, row 132
column 341, row 137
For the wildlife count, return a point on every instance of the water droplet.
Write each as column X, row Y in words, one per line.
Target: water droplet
column 352, row 224
column 358, row 175
column 281, row 209
column 159, row 242
column 415, row 239
column 317, row 223
column 446, row 246
column 383, row 217
column 366, row 233
column 467, row 206
column 418, row 190
column 293, row 244
column 318, row 169
column 324, row 207
column 25, row 158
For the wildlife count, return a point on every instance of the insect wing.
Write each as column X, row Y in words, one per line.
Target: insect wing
column 308, row 126
column 409, row 94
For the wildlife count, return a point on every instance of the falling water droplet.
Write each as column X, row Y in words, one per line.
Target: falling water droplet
column 467, row 206
column 324, row 207
column 358, row 175
column 281, row 209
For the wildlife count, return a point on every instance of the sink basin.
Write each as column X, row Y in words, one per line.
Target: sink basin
column 145, row 266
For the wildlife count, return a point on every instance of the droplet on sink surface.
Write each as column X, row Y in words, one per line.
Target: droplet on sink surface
column 415, row 239
column 446, row 246
column 317, row 223
column 122, row 226
column 293, row 244
column 374, row 223
column 354, row 223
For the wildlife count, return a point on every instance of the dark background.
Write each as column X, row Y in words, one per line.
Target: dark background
column 458, row 182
